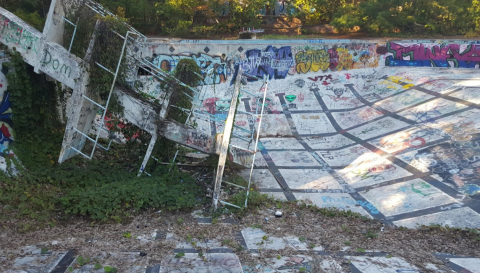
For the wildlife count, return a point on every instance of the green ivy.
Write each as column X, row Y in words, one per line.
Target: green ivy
column 37, row 130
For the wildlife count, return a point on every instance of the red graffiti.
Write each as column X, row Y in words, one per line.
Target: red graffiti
column 381, row 168
column 5, row 131
column 325, row 83
column 209, row 104
column 348, row 75
column 241, row 123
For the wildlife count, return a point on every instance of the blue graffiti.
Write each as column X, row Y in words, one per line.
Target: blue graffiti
column 272, row 62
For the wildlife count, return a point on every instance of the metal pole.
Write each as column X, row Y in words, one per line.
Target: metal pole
column 256, row 140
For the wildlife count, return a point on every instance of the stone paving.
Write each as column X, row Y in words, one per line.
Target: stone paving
column 218, row 258
column 398, row 145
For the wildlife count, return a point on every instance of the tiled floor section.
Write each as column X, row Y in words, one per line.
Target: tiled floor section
column 407, row 155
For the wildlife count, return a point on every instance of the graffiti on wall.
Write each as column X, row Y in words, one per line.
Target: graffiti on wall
column 336, row 58
column 57, row 64
column 204, row 61
column 13, row 33
column 271, row 61
column 441, row 55
column 456, row 162
column 6, row 124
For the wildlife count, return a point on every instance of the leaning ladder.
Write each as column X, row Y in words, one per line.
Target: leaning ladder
column 103, row 12
column 227, row 135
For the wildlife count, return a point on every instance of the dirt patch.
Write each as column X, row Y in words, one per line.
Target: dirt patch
column 320, row 230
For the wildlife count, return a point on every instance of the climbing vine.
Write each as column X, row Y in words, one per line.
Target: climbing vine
column 37, row 129
column 188, row 72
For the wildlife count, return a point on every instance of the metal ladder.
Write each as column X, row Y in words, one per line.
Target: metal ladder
column 138, row 36
column 227, row 137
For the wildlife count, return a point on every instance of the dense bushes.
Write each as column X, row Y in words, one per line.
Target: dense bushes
column 178, row 17
column 106, row 187
column 448, row 17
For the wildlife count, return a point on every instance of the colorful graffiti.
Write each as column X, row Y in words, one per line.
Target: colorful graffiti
column 204, row 61
column 272, row 62
column 457, row 162
column 6, row 124
column 336, row 58
column 13, row 33
column 440, row 55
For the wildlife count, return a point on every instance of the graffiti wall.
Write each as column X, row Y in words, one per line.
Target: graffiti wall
column 434, row 55
column 6, row 124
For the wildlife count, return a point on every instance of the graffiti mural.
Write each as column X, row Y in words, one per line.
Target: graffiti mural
column 271, row 61
column 6, row 124
column 456, row 162
column 12, row 32
column 336, row 58
column 439, row 55
column 204, row 61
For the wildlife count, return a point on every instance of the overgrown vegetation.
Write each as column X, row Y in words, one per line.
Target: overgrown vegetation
column 33, row 12
column 199, row 18
column 105, row 188
column 202, row 18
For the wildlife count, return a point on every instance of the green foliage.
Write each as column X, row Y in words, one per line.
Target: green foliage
column 38, row 132
column 34, row 19
column 33, row 12
column 118, row 197
column 180, row 255
column 422, row 16
column 186, row 71
column 110, row 269
column 370, row 234
column 302, row 239
column 97, row 266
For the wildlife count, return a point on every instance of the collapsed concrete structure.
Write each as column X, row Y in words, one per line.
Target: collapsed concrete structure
column 384, row 128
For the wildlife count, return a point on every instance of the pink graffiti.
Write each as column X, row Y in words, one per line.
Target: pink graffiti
column 241, row 123
column 437, row 52
column 209, row 104
column 301, row 97
column 381, row 168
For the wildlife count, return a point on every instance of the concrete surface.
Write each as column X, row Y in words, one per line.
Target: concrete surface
column 216, row 258
column 386, row 129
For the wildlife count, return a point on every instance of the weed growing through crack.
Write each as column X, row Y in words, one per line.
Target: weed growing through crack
column 82, row 261
column 127, row 235
column 302, row 239
column 311, row 245
column 348, row 243
column 279, row 257
column 370, row 234
column 44, row 250
column 180, row 255
column 360, row 250
column 97, row 266
column 110, row 269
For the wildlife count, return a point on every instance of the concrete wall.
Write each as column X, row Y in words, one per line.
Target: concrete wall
column 298, row 68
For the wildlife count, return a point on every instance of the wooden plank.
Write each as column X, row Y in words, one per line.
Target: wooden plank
column 226, row 139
